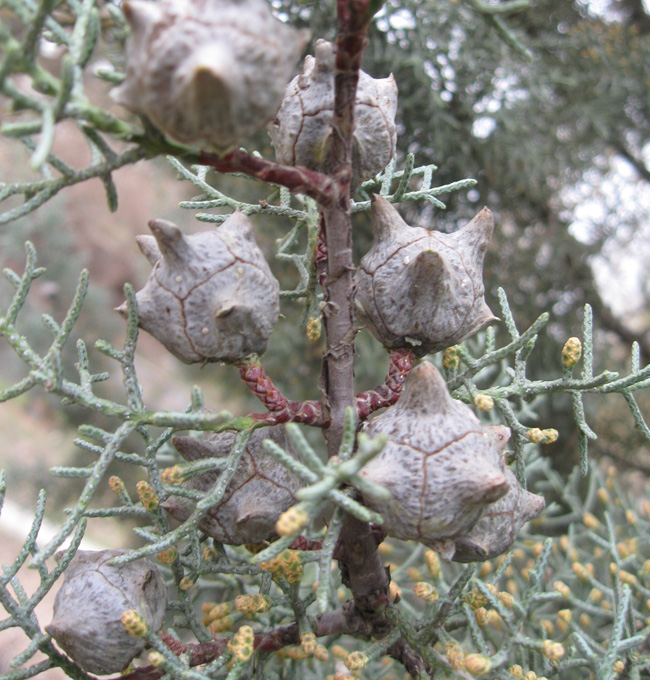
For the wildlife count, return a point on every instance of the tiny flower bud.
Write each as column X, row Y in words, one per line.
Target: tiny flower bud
column 313, row 329
column 186, row 583
column 565, row 615
column 116, row 484
column 477, row 664
column 432, row 561
column 571, row 352
column 425, row 592
column 590, row 521
column 481, row 616
column 483, row 402
column 147, row 495
column 451, row 358
column 355, row 661
column 321, row 653
column 308, row 643
column 167, row 556
column 516, row 671
column 562, row 588
column 133, row 623
column 172, row 475
column 291, row 521
column 553, row 650
column 156, row 659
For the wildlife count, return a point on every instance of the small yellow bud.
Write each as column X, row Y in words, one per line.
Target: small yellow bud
column 133, row 623
column 321, row 653
column 172, row 475
column 451, row 358
column 548, row 626
column 562, row 588
column 628, row 578
column 580, row 571
column 221, row 625
column 511, row 584
column 115, row 484
column 475, row 598
column 291, row 521
column 167, row 556
column 477, row 664
column 603, row 496
column 571, row 352
column 619, row 666
column 395, row 591
column 425, row 592
column 485, row 569
column 595, row 595
column 565, row 615
column 547, row 436
column 506, row 599
column 516, row 671
column 156, row 659
column 308, row 643
column 590, row 521
column 414, row 574
column 313, row 328
column 585, row 620
column 186, row 583
column 339, row 652
column 553, row 650
column 564, row 543
column 355, row 661
column 242, row 643
column 385, row 548
column 455, row 655
column 481, row 616
column 484, row 402
column 531, row 675
column 147, row 495
column 630, row 517
column 432, row 561
column 613, row 569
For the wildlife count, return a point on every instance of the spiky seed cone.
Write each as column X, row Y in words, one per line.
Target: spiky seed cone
column 441, row 466
column 259, row 492
column 419, row 289
column 211, row 71
column 211, row 296
column 302, row 129
column 88, row 609
column 499, row 525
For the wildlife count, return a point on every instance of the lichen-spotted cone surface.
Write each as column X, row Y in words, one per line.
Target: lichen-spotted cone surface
column 499, row 525
column 87, row 610
column 302, row 128
column 211, row 296
column 259, row 492
column 440, row 465
column 207, row 70
column 420, row 289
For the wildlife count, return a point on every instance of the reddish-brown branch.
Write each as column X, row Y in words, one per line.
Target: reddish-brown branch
column 401, row 363
column 281, row 409
column 319, row 186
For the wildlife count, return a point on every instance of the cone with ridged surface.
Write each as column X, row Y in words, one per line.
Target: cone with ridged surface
column 420, row 289
column 441, row 466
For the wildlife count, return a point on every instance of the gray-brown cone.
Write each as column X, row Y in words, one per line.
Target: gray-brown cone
column 207, row 70
column 87, row 610
column 441, row 466
column 420, row 289
column 499, row 525
column 211, row 296
column 302, row 127
column 259, row 492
